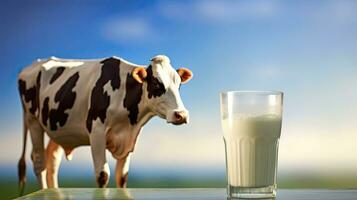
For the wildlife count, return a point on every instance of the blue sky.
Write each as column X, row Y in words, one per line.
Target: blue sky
column 305, row 48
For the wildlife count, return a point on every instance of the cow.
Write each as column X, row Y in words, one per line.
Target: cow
column 103, row 103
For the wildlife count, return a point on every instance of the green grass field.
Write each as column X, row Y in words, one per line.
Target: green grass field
column 8, row 187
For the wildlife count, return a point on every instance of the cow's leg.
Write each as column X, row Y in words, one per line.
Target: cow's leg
column 98, row 147
column 121, row 171
column 38, row 151
column 54, row 154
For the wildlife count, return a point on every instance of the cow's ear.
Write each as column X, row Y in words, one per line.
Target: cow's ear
column 139, row 74
column 185, row 74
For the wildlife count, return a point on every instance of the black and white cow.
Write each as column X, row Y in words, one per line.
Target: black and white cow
column 102, row 103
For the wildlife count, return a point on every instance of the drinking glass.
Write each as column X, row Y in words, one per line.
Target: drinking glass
column 251, row 123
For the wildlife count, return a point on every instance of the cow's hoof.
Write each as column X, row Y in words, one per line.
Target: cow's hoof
column 102, row 179
column 124, row 180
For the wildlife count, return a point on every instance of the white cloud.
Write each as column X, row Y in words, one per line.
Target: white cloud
column 340, row 11
column 128, row 29
column 323, row 152
column 141, row 27
column 218, row 11
column 268, row 71
column 11, row 147
column 184, row 150
column 330, row 14
column 230, row 10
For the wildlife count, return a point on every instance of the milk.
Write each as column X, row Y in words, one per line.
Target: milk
column 251, row 149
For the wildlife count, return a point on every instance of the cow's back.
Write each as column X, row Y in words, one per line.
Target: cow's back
column 64, row 98
column 68, row 95
column 60, row 90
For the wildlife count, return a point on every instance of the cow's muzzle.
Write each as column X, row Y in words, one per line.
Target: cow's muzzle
column 179, row 117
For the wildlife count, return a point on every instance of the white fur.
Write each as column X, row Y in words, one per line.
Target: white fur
column 53, row 63
column 126, row 165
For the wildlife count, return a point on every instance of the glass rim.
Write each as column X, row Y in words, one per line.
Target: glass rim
column 252, row 92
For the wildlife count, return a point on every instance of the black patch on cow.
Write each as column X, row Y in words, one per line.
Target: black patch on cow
column 124, row 180
column 38, row 87
column 65, row 98
column 31, row 94
column 57, row 74
column 102, row 179
column 100, row 99
column 155, row 87
column 45, row 110
column 132, row 97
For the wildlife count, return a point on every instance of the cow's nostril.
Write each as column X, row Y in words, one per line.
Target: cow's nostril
column 178, row 116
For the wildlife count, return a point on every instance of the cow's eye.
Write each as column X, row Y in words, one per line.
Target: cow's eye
column 156, row 85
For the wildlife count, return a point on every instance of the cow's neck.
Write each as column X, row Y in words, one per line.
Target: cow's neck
column 126, row 146
column 145, row 113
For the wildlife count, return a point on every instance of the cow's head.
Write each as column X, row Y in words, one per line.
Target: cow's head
column 162, row 88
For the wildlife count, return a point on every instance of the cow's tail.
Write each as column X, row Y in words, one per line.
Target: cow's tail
column 22, row 162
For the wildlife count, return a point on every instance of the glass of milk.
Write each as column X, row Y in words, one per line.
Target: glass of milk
column 251, row 123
